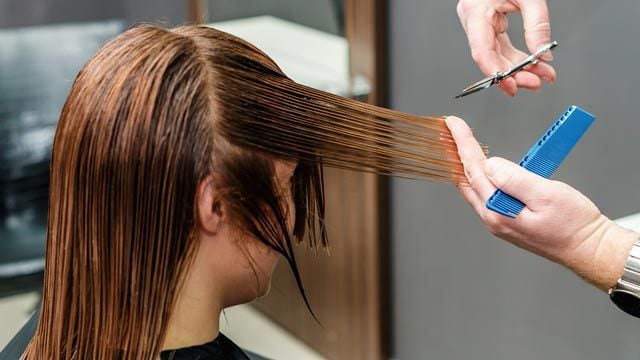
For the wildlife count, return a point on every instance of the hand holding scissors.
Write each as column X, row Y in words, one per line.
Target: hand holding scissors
column 499, row 76
column 486, row 23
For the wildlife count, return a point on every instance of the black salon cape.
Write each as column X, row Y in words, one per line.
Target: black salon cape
column 220, row 348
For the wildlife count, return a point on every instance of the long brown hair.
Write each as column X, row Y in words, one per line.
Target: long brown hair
column 151, row 115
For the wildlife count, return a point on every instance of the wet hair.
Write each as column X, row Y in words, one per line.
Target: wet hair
column 150, row 116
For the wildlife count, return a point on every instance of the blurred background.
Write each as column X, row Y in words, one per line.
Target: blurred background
column 412, row 274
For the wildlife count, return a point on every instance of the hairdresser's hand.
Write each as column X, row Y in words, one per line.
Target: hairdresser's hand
column 558, row 222
column 485, row 22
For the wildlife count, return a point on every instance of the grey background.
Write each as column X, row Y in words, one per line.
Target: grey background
column 459, row 293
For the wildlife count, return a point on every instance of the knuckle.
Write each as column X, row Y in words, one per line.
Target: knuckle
column 504, row 176
column 503, row 23
column 476, row 54
column 495, row 225
column 543, row 26
column 474, row 176
column 474, row 181
column 462, row 7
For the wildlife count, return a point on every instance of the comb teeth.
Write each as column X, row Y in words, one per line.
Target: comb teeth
column 505, row 204
column 541, row 166
column 546, row 155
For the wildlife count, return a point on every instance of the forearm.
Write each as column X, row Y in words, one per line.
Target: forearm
column 612, row 244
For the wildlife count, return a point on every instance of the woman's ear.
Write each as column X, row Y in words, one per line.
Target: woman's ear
column 209, row 205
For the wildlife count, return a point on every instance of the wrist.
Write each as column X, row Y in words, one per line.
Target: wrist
column 605, row 255
column 613, row 255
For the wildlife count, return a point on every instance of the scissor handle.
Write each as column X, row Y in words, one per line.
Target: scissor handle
column 530, row 60
column 501, row 75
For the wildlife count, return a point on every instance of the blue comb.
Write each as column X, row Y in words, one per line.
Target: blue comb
column 546, row 155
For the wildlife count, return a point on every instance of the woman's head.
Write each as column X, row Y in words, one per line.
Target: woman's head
column 144, row 180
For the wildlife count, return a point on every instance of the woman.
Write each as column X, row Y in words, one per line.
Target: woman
column 143, row 188
column 185, row 163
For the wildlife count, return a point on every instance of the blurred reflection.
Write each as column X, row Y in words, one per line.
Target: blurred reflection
column 38, row 65
column 37, row 68
column 324, row 15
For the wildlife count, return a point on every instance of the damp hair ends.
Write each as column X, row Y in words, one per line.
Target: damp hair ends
column 151, row 115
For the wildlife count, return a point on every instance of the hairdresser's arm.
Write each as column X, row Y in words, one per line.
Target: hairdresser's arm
column 485, row 22
column 558, row 222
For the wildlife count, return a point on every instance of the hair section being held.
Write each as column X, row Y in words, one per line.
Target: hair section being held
column 263, row 109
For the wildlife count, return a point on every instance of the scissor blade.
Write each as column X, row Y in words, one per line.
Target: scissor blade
column 480, row 85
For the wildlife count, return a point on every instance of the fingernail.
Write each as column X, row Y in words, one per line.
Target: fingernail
column 547, row 57
column 450, row 122
column 447, row 121
column 454, row 123
column 547, row 79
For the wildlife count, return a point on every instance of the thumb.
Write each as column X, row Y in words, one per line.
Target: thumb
column 516, row 180
column 537, row 26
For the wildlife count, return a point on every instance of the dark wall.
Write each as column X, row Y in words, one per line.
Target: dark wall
column 14, row 13
column 459, row 293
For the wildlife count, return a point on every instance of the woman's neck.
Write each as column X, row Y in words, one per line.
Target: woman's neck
column 196, row 314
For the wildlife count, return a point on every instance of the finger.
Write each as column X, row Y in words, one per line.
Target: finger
column 501, row 22
column 509, row 86
column 512, row 56
column 537, row 27
column 516, row 180
column 471, row 155
column 527, row 80
column 472, row 198
column 531, row 77
column 545, row 71
column 482, row 42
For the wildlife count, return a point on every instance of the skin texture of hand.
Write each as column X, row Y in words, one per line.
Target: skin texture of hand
column 558, row 222
column 485, row 23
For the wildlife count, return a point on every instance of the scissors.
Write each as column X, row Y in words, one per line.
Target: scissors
column 501, row 75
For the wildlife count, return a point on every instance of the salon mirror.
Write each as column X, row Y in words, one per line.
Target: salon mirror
column 37, row 66
column 323, row 15
column 306, row 38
